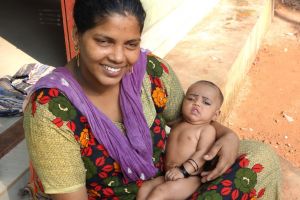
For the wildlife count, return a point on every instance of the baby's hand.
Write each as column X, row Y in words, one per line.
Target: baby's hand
column 173, row 174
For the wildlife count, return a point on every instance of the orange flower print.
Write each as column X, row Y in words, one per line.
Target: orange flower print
column 159, row 97
column 40, row 95
column 93, row 193
column 117, row 167
column 84, row 137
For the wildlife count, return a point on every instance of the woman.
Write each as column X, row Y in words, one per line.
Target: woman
column 95, row 128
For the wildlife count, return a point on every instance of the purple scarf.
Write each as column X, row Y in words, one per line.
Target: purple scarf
column 132, row 151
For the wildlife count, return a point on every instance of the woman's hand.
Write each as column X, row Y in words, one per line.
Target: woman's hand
column 226, row 147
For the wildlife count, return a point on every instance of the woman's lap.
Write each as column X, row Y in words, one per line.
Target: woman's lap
column 255, row 175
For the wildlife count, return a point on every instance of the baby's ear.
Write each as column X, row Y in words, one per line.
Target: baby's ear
column 216, row 115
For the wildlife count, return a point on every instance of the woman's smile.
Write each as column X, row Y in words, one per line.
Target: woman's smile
column 111, row 70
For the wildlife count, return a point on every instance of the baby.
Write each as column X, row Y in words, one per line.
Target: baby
column 188, row 142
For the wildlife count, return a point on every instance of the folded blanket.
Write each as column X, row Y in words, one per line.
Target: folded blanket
column 28, row 75
column 13, row 90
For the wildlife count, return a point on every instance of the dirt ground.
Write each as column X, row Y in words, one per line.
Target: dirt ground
column 268, row 107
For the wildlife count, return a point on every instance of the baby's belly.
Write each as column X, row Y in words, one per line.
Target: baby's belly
column 180, row 154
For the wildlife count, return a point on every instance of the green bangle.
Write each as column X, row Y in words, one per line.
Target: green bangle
column 183, row 171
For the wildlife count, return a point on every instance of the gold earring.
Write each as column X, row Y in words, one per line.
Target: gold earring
column 77, row 60
column 76, row 48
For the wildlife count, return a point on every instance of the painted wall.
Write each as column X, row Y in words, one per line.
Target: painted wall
column 158, row 9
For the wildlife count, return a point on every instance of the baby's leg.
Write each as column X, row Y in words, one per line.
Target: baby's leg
column 176, row 190
column 148, row 186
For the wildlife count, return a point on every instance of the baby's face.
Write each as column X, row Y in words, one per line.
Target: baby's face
column 201, row 104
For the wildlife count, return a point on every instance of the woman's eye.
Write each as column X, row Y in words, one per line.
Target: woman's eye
column 103, row 42
column 132, row 45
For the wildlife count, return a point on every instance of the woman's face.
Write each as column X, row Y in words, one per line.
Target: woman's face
column 109, row 50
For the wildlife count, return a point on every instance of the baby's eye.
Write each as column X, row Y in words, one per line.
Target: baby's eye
column 190, row 98
column 207, row 103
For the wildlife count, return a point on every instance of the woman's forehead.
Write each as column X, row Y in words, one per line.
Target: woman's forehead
column 117, row 27
column 113, row 18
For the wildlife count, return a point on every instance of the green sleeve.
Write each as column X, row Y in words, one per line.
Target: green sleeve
column 175, row 94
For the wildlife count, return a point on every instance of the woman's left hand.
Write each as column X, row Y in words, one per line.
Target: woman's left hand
column 226, row 147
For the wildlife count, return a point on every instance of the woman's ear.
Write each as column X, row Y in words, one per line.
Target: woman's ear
column 75, row 36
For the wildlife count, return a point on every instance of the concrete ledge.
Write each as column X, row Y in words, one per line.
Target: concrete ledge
column 11, row 137
column 245, row 58
column 222, row 46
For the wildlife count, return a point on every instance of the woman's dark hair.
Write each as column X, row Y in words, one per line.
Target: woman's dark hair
column 88, row 13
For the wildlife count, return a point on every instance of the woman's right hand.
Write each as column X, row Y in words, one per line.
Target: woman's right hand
column 226, row 147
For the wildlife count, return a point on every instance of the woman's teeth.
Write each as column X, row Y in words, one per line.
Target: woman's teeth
column 111, row 69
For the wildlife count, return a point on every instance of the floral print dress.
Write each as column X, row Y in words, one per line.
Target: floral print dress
column 65, row 155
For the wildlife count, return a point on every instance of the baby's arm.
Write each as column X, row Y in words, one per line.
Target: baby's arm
column 194, row 164
column 206, row 140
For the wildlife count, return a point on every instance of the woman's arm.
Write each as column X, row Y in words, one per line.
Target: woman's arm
column 80, row 194
column 53, row 150
column 226, row 147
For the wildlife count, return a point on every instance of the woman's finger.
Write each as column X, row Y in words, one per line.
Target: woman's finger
column 219, row 170
column 213, row 151
column 205, row 173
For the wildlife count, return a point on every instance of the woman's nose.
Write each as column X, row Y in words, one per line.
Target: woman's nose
column 117, row 55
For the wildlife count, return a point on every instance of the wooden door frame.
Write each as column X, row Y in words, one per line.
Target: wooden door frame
column 68, row 23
